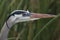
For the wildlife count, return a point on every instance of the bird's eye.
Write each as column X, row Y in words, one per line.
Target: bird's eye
column 26, row 14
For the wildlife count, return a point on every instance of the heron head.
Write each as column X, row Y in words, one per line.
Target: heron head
column 22, row 16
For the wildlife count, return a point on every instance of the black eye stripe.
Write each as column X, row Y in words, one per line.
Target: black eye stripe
column 18, row 12
column 15, row 13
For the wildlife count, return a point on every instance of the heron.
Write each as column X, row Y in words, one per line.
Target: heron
column 19, row 16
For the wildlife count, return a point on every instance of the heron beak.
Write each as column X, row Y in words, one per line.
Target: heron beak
column 39, row 15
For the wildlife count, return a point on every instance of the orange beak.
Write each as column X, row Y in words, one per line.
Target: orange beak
column 39, row 15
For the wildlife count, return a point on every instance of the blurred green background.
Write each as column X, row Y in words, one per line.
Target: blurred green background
column 42, row 29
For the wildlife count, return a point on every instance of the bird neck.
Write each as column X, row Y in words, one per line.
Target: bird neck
column 5, row 30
